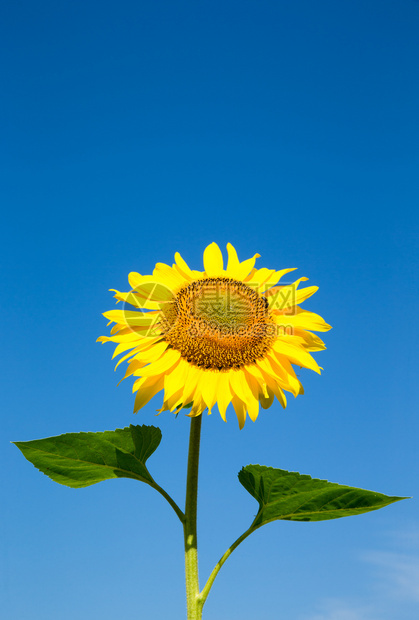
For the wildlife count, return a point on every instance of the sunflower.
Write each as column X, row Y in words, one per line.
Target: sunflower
column 220, row 336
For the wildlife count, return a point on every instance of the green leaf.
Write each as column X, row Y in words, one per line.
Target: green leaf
column 295, row 497
column 80, row 459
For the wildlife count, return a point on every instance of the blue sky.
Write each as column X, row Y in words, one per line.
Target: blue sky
column 134, row 130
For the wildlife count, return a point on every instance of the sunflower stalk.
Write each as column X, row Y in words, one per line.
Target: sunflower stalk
column 217, row 567
column 193, row 601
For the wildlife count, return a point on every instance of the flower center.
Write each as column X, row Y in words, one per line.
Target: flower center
column 218, row 323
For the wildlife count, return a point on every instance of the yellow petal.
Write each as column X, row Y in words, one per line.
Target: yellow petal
column 121, row 348
column 236, row 269
column 175, row 380
column 154, row 292
column 130, row 336
column 149, row 290
column 240, row 387
column 278, row 274
column 274, row 387
column 127, row 356
column 152, row 353
column 167, row 360
column 116, row 329
column 240, row 409
column 184, row 268
column 276, row 375
column 294, row 385
column 133, row 319
column 267, row 401
column 275, row 277
column 273, row 383
column 296, row 354
column 304, row 293
column 260, row 276
column 133, row 367
column 303, row 319
column 213, row 261
column 169, row 277
column 173, row 401
column 250, row 277
column 209, row 388
column 191, row 381
column 135, row 299
column 311, row 341
column 260, row 378
column 197, row 408
column 118, row 316
column 146, row 390
column 134, row 279
column 253, row 384
column 285, row 298
column 233, row 262
column 142, row 346
column 267, row 369
column 224, row 395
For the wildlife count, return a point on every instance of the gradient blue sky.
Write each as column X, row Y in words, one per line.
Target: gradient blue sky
column 132, row 130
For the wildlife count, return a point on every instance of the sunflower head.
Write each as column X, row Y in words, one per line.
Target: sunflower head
column 218, row 336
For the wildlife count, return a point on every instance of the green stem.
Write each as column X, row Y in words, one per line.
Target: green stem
column 170, row 500
column 204, row 594
column 193, row 601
